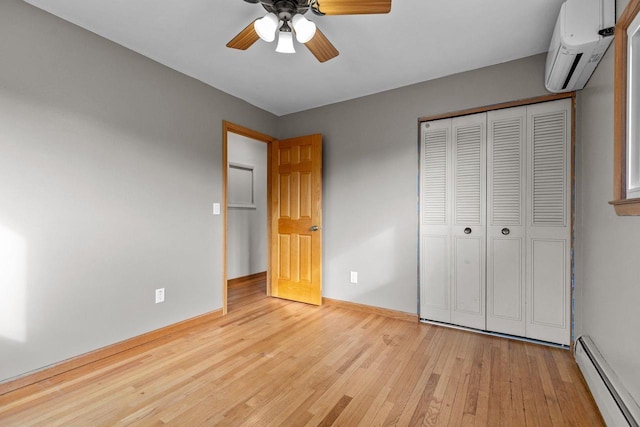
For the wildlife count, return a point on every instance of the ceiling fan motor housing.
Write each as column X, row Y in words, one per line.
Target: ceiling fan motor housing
column 284, row 9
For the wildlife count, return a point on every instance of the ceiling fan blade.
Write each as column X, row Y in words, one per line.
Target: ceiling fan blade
column 321, row 47
column 244, row 39
column 353, row 7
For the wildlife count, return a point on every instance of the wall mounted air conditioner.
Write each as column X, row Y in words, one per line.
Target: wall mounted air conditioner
column 583, row 33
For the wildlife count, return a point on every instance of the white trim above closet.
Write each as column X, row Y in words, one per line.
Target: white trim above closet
column 495, row 221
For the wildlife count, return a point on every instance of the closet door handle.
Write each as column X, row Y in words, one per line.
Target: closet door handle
column 505, row 231
column 467, row 230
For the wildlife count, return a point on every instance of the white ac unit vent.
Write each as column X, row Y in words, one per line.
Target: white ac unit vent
column 583, row 33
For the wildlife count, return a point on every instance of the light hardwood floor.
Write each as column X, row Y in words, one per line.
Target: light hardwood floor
column 274, row 362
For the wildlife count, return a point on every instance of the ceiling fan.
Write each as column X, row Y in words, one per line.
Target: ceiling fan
column 286, row 17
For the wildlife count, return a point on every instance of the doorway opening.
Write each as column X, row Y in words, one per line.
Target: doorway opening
column 246, row 200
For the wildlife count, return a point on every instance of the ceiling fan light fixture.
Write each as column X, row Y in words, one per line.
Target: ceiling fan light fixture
column 305, row 29
column 266, row 27
column 285, row 42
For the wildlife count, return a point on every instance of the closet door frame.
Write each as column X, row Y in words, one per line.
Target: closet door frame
column 510, row 104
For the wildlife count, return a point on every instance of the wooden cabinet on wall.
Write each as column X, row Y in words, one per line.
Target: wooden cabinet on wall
column 495, row 221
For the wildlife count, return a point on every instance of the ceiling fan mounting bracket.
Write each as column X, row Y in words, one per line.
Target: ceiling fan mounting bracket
column 285, row 9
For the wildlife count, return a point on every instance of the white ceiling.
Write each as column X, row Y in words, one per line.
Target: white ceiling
column 419, row 40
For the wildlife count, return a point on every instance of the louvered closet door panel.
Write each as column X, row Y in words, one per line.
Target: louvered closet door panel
column 505, row 220
column 469, row 219
column 549, row 222
column 435, row 221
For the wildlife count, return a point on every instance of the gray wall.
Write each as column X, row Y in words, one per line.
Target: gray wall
column 109, row 165
column 247, row 228
column 371, row 172
column 607, row 246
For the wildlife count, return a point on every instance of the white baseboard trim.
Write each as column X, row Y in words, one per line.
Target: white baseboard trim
column 617, row 406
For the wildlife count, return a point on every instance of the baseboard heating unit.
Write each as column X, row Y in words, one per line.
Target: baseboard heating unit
column 617, row 406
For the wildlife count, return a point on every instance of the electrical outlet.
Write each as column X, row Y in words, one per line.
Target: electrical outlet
column 353, row 278
column 159, row 295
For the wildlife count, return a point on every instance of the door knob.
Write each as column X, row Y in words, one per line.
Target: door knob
column 505, row 231
column 314, row 228
column 467, row 230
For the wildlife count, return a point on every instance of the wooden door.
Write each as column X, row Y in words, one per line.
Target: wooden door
column 468, row 231
column 506, row 191
column 296, row 219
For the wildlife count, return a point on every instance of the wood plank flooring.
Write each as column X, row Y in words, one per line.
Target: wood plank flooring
column 275, row 362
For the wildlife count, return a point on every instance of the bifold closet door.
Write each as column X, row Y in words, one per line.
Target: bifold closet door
column 453, row 218
column 468, row 265
column 495, row 230
column 548, row 270
column 506, row 149
column 435, row 221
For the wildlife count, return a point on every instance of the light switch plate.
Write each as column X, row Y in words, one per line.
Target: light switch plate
column 216, row 208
